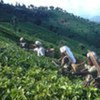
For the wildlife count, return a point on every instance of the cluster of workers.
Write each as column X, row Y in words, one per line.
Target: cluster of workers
column 68, row 63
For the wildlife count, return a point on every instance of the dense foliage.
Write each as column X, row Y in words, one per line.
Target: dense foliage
column 23, row 75
column 54, row 19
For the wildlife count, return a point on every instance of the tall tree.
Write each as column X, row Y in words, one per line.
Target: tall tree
column 51, row 8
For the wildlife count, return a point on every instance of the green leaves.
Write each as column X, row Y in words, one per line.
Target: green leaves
column 24, row 76
column 38, row 79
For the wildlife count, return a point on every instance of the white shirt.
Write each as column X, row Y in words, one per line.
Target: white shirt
column 40, row 51
column 23, row 44
column 69, row 53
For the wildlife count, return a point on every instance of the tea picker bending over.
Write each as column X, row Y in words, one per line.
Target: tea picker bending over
column 22, row 43
column 39, row 48
column 67, row 56
column 93, row 69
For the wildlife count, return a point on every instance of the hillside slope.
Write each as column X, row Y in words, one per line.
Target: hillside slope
column 32, row 32
column 55, row 20
column 24, row 76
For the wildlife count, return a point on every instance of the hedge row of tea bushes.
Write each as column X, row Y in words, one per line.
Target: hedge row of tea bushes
column 24, row 76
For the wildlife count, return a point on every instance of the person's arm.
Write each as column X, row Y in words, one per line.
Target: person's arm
column 42, row 51
column 59, row 60
column 62, row 56
column 35, row 49
column 64, row 60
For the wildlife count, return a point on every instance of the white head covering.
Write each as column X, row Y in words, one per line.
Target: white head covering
column 38, row 43
column 62, row 49
column 68, row 52
column 21, row 39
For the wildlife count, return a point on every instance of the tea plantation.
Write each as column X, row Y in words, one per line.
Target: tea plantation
column 24, row 76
